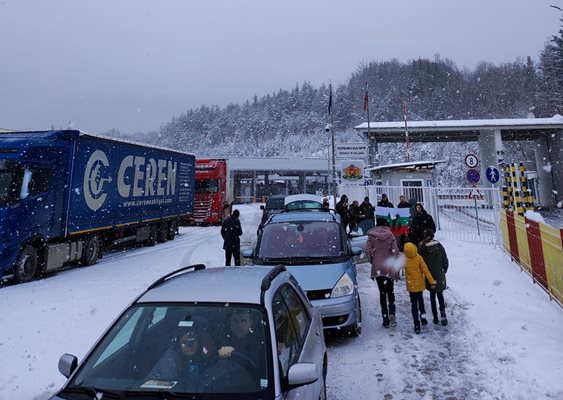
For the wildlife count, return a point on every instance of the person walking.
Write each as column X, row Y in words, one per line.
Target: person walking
column 342, row 209
column 436, row 259
column 231, row 231
column 385, row 202
column 415, row 271
column 421, row 221
column 382, row 251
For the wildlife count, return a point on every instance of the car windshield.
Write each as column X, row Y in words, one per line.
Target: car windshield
column 206, row 186
column 301, row 239
column 179, row 348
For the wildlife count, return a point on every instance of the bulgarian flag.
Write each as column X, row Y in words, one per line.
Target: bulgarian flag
column 398, row 219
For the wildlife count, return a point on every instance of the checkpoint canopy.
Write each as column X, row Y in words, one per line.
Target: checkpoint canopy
column 545, row 135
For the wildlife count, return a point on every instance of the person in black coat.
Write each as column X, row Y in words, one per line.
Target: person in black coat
column 342, row 209
column 367, row 210
column 384, row 201
column 421, row 221
column 231, row 231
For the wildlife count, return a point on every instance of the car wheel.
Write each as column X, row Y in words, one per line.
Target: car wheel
column 27, row 265
column 356, row 329
column 92, row 250
column 153, row 235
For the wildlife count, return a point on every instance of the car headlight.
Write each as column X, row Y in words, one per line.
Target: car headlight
column 343, row 287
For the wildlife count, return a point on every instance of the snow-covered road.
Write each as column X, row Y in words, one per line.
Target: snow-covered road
column 503, row 340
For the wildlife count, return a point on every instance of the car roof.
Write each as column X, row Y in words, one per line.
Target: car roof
column 214, row 284
column 300, row 215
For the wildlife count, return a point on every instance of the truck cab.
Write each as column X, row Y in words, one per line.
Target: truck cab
column 33, row 186
column 212, row 191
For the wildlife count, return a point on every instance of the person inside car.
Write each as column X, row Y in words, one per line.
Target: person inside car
column 242, row 343
column 184, row 360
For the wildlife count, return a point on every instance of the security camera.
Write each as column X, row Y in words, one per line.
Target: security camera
column 327, row 128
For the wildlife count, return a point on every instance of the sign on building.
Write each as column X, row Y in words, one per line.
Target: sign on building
column 352, row 172
column 351, row 151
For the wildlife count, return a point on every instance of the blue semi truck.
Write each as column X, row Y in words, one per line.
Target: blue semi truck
column 66, row 195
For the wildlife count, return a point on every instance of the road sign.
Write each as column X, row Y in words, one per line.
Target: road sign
column 473, row 176
column 471, row 160
column 475, row 193
column 492, row 173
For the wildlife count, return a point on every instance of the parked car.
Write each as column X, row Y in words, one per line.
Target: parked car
column 218, row 333
column 315, row 248
column 274, row 205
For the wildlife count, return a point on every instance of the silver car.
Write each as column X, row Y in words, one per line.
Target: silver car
column 218, row 333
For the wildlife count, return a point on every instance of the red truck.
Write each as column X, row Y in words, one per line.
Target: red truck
column 213, row 191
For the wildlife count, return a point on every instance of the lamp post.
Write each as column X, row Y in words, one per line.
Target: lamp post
column 331, row 128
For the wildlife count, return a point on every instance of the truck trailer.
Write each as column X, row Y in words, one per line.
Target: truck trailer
column 66, row 195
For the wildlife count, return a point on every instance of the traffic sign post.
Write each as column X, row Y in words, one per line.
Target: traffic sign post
column 476, row 194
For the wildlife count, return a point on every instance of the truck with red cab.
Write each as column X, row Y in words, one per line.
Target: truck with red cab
column 213, row 191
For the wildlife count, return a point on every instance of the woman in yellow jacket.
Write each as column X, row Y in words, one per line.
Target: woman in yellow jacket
column 415, row 271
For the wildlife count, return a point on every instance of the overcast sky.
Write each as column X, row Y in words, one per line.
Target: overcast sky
column 134, row 64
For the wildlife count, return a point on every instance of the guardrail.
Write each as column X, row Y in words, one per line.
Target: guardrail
column 538, row 249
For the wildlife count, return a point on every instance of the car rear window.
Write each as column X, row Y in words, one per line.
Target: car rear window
column 300, row 239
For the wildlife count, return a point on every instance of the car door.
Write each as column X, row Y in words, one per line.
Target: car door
column 298, row 339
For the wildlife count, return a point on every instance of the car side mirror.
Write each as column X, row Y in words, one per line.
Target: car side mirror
column 262, row 207
column 302, row 374
column 67, row 364
column 247, row 253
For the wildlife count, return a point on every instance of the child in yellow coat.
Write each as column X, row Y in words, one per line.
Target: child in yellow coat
column 415, row 271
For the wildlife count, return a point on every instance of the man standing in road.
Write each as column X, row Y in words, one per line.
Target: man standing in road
column 231, row 231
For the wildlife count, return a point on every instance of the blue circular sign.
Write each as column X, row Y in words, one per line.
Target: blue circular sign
column 473, row 176
column 492, row 173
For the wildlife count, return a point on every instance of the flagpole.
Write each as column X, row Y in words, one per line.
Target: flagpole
column 331, row 127
column 333, row 159
column 366, row 104
column 406, row 129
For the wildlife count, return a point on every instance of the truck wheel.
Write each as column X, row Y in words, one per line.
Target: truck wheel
column 163, row 232
column 172, row 229
column 153, row 235
column 92, row 250
column 27, row 265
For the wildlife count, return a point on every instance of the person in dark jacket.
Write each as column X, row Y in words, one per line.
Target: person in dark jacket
column 354, row 215
column 382, row 251
column 231, row 231
column 384, row 201
column 403, row 203
column 421, row 221
column 367, row 210
column 342, row 209
column 184, row 361
column 436, row 259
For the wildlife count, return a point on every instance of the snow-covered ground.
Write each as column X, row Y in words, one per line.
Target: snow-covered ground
column 504, row 339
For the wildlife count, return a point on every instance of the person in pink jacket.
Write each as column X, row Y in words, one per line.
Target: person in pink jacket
column 415, row 272
column 382, row 251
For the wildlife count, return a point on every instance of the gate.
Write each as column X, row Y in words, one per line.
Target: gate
column 460, row 213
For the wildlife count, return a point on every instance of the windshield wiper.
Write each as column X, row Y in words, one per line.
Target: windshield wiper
column 97, row 394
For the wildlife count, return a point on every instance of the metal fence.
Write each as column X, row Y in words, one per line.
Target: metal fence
column 461, row 213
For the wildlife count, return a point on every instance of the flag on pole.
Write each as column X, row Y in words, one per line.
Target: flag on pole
column 366, row 100
column 329, row 98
